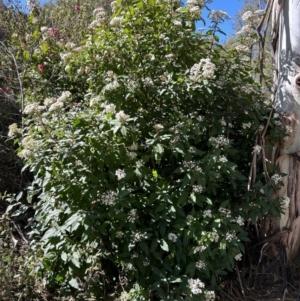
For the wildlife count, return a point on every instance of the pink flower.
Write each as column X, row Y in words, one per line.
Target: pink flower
column 41, row 67
column 1, row 90
column 77, row 8
column 8, row 89
column 53, row 32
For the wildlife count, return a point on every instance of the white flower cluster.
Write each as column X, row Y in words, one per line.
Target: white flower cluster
column 100, row 18
column 196, row 286
column 225, row 212
column 276, row 178
column 246, row 125
column 215, row 237
column 137, row 236
column 238, row 257
column 189, row 218
column 219, row 141
column 172, row 237
column 218, row 16
column 132, row 215
column 247, row 30
column 197, row 188
column 256, row 149
column 240, row 221
column 109, row 198
column 158, row 127
column 200, row 265
column 131, row 155
column 112, row 86
column 14, row 130
column 222, row 159
column 205, row 69
column 31, row 4
column 210, row 296
column 200, row 249
column 230, row 236
column 28, row 143
column 64, row 96
column 33, row 108
column 207, row 213
column 120, row 173
column 122, row 117
column 116, row 21
column 195, row 7
column 242, row 48
column 110, row 108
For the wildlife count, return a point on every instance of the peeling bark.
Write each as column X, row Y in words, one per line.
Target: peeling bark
column 286, row 47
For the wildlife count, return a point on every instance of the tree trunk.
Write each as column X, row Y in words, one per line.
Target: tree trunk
column 286, row 46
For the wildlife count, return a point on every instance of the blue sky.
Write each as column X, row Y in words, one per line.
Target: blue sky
column 229, row 6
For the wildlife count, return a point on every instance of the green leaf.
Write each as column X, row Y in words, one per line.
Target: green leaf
column 73, row 282
column 64, row 256
column 164, row 245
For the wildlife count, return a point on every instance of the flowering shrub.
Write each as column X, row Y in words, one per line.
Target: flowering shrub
column 141, row 148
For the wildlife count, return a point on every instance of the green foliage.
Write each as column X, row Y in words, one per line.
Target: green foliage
column 140, row 142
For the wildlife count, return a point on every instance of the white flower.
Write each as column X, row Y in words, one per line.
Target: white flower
column 197, row 188
column 133, row 147
column 158, row 127
column 196, row 286
column 131, row 155
column 109, row 198
column 276, row 178
column 222, row 159
column 64, row 96
column 256, row 149
column 122, row 117
column 189, row 218
column 119, row 234
column 215, row 237
column 207, row 213
column 139, row 164
column 93, row 101
column 210, row 296
column 218, row 15
column 246, row 125
column 25, row 153
column 49, row 101
column 110, row 108
column 247, row 15
column 14, row 130
column 137, row 236
column 116, row 21
column 148, row 81
column 33, row 108
column 219, row 141
column 56, row 106
column 246, row 30
column 238, row 257
column 120, row 173
column 114, row 85
column 240, row 221
column 29, row 143
column 225, row 212
column 242, row 48
column 200, row 265
column 230, row 236
column 172, row 237
column 200, row 249
column 132, row 215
